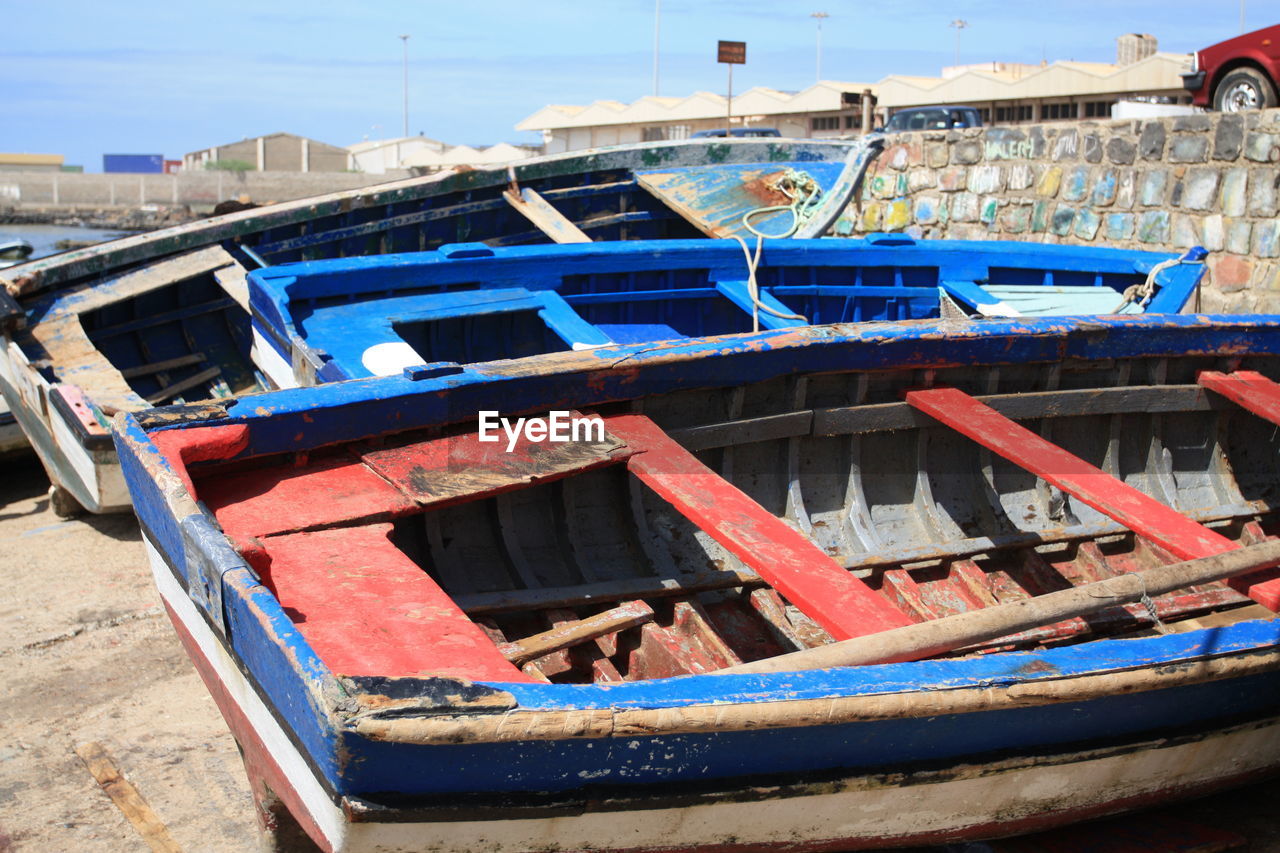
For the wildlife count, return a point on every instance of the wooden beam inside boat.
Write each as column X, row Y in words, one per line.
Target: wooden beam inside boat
column 790, row 562
column 161, row 366
column 550, row 221
column 626, row 615
column 516, row 600
column 170, row 391
column 885, row 417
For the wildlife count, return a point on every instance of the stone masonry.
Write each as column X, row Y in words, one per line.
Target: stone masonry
column 1209, row 180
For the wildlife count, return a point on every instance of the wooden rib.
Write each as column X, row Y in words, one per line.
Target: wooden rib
column 565, row 636
column 126, row 798
column 768, row 604
column 793, row 565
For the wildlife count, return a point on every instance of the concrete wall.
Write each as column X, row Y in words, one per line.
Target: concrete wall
column 198, row 189
column 1161, row 184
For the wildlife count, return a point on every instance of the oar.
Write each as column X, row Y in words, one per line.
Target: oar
column 925, row 639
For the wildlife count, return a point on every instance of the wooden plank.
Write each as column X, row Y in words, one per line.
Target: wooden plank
column 882, row 417
column 1246, row 388
column 170, row 391
column 550, row 221
column 627, row 615
column 1117, row 500
column 464, row 468
column 183, row 313
column 744, row 431
column 807, row 576
column 264, row 501
column 508, row 601
column 1139, row 512
column 367, row 609
column 234, row 281
column 160, row 366
column 126, row 798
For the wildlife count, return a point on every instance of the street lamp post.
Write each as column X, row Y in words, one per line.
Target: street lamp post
column 820, row 16
column 657, row 32
column 405, row 41
column 959, row 24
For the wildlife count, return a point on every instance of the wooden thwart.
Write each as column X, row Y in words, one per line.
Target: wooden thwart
column 922, row 640
column 1246, row 388
column 1139, row 512
column 806, row 575
column 127, row 799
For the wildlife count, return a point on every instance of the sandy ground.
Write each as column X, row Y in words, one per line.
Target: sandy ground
column 87, row 654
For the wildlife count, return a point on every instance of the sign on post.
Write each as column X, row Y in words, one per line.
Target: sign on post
column 730, row 53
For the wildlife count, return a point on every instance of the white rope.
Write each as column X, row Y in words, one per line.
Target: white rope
column 1140, row 294
column 804, row 193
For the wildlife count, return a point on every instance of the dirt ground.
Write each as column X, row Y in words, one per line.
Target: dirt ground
column 87, row 654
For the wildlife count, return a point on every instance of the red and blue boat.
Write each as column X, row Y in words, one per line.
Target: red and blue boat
column 681, row 628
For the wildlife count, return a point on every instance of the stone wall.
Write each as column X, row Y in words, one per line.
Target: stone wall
column 1163, row 184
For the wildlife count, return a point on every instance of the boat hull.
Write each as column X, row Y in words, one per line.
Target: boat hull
column 965, row 800
column 76, row 453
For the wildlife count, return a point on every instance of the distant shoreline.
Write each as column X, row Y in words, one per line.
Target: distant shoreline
column 137, row 218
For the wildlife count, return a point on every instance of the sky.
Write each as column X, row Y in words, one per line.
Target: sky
column 146, row 77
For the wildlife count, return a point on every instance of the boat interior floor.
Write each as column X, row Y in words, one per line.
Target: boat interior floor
column 712, row 527
column 177, row 331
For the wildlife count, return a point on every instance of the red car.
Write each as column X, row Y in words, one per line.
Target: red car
column 1237, row 74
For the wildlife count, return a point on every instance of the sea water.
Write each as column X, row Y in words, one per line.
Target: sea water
column 44, row 238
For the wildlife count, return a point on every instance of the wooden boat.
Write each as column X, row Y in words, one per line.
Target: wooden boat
column 11, row 435
column 423, row 641
column 14, row 251
column 358, row 317
column 174, row 303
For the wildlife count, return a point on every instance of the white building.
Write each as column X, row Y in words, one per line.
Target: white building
column 824, row 109
column 465, row 155
column 379, row 156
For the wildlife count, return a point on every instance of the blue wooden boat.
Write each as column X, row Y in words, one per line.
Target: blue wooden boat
column 163, row 316
column 423, row 640
column 358, row 317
